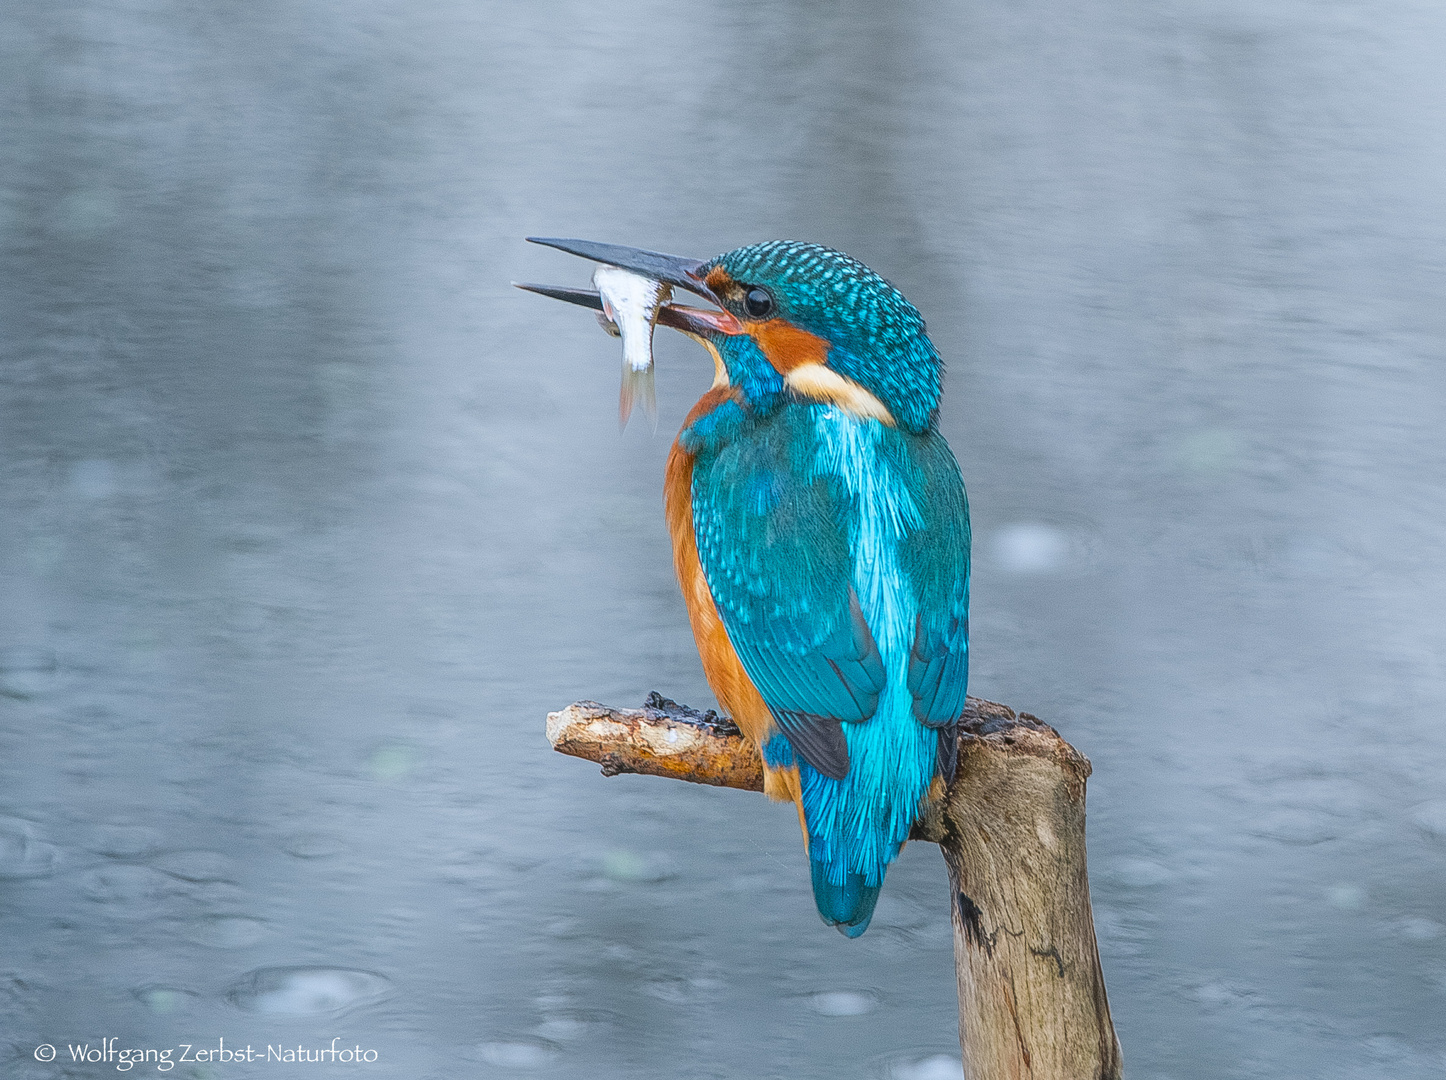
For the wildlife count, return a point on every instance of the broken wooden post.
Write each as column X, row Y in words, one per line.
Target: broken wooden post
column 1012, row 828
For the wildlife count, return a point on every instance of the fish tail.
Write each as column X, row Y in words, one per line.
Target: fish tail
column 637, row 385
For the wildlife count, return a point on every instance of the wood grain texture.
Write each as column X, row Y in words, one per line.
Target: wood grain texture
column 1032, row 1003
column 1032, row 998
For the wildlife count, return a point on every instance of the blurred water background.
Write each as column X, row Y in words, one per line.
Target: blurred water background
column 307, row 519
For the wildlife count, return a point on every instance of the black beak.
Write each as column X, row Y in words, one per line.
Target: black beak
column 689, row 320
column 588, row 298
column 673, row 269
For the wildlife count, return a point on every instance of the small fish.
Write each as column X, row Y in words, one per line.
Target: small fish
column 630, row 310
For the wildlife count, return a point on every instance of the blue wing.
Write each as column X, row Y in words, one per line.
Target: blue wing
column 935, row 558
column 773, row 540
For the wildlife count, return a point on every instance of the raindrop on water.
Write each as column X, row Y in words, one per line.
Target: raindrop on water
column 392, row 763
column 1346, row 897
column 312, row 845
column 844, row 1002
column 572, row 1024
column 934, row 1067
column 130, row 892
column 195, row 866
column 21, row 855
column 85, row 212
column 306, row 991
column 165, row 999
column 1139, row 873
column 631, row 866
column 1302, row 827
column 226, row 931
column 1431, row 817
column 93, row 479
column 1030, row 548
column 1219, row 994
column 1416, row 929
column 26, row 673
column 126, row 841
column 522, row 1054
column 1208, row 451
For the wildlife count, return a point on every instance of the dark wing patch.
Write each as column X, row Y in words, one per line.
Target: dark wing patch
column 819, row 740
column 947, row 758
column 939, row 668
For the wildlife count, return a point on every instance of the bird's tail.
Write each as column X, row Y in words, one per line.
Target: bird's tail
column 851, row 841
column 848, row 906
column 858, row 824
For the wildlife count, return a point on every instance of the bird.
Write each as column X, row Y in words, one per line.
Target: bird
column 820, row 536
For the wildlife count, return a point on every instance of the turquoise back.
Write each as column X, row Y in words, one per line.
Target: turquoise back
column 837, row 553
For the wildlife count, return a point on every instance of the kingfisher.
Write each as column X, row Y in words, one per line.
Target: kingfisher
column 820, row 534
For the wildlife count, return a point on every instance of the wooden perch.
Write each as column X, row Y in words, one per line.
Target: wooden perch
column 1032, row 1002
column 662, row 738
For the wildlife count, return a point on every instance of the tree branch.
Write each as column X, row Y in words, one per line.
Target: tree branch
column 662, row 738
column 1032, row 998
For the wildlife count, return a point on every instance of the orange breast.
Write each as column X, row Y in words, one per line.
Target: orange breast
column 730, row 683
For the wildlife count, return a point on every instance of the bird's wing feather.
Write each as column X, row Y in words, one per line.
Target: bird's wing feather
column 935, row 558
column 773, row 541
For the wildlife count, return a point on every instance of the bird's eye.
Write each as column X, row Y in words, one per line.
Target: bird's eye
column 758, row 303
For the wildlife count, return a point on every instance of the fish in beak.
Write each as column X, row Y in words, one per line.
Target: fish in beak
column 634, row 287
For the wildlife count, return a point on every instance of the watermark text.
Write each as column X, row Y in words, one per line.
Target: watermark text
column 164, row 1059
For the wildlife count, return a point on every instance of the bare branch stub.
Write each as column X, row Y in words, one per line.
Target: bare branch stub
column 1032, row 999
column 662, row 738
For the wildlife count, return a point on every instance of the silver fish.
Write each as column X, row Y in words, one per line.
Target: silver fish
column 630, row 310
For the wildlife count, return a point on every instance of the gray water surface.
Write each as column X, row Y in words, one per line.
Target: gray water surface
column 307, row 519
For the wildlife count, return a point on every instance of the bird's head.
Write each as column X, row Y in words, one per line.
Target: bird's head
column 794, row 318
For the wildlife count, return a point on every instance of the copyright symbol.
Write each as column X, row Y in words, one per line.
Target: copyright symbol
column 45, row 1052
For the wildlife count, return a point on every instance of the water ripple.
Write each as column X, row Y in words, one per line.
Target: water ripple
column 522, row 1054
column 844, row 1002
column 23, row 856
column 306, row 991
column 933, row 1067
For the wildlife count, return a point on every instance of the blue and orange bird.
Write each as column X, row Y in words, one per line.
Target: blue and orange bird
column 821, row 538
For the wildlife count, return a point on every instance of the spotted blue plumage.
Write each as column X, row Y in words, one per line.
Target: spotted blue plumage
column 876, row 336
column 836, row 548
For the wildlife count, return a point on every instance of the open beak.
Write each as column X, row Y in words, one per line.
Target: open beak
column 671, row 269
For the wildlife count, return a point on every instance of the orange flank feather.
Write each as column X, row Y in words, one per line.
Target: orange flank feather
column 730, row 683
